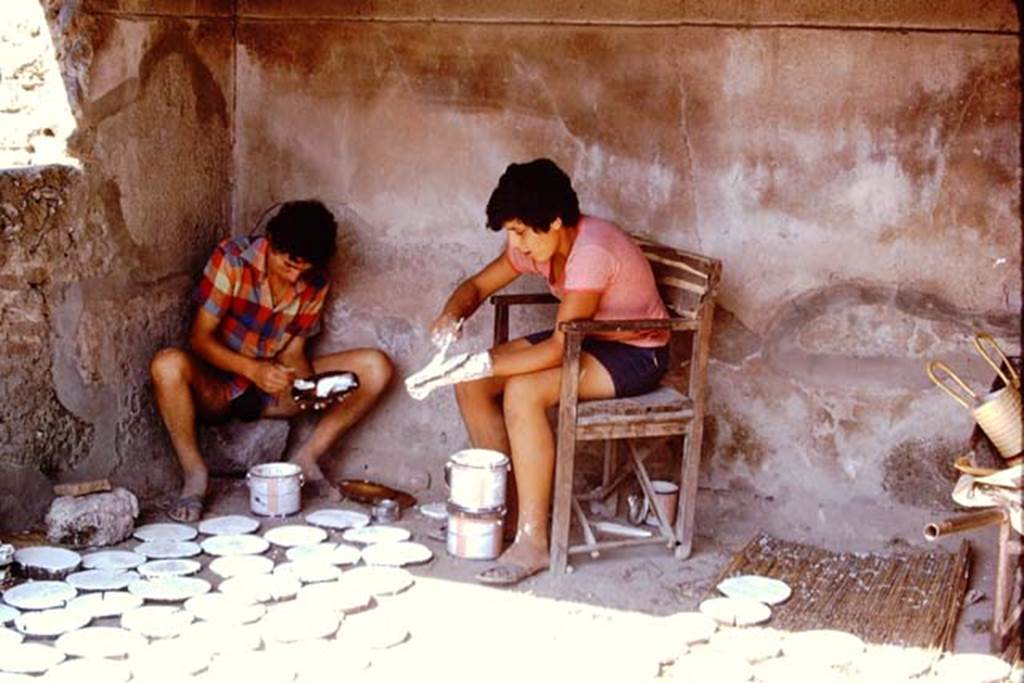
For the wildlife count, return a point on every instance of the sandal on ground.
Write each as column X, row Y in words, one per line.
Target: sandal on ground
column 185, row 509
column 506, row 574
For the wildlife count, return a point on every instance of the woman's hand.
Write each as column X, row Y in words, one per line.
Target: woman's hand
column 463, row 367
column 445, row 331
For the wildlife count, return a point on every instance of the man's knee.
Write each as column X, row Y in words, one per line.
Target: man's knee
column 170, row 366
column 377, row 371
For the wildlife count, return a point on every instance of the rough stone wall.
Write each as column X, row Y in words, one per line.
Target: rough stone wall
column 859, row 178
column 96, row 263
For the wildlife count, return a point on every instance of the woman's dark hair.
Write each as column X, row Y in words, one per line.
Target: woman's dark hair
column 304, row 230
column 535, row 193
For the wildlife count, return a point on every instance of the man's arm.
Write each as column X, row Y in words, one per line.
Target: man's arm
column 293, row 355
column 270, row 376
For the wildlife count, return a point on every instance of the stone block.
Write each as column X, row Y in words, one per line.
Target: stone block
column 234, row 447
column 95, row 520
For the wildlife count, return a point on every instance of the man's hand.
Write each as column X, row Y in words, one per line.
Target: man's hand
column 272, row 377
column 445, row 331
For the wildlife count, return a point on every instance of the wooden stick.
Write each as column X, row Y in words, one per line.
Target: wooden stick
column 82, row 488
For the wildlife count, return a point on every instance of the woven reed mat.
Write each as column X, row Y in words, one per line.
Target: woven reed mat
column 908, row 600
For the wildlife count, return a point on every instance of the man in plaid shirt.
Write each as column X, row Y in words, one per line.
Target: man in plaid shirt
column 258, row 301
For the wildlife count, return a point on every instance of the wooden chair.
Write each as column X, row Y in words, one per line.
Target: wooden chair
column 688, row 284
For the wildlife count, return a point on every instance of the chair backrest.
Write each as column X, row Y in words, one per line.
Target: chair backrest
column 685, row 279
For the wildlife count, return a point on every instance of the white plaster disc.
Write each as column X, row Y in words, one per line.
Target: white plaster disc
column 106, row 604
column 712, row 667
column 39, row 594
column 338, row 519
column 291, row 535
column 736, row 611
column 112, row 559
column 438, row 511
column 377, row 534
column 229, row 525
column 823, row 646
column 379, row 580
column 971, row 668
column 17, row 678
column 100, row 641
column 337, row 596
column 7, row 613
column 170, row 588
column 165, row 531
column 753, row 644
column 252, row 666
column 689, row 628
column 10, row 637
column 331, row 553
column 51, row 622
column 790, row 670
column 893, row 662
column 396, row 554
column 168, row 550
column 375, row 629
column 224, row 608
column 156, row 568
column 156, row 621
column 169, row 660
column 308, row 571
column 761, row 588
column 292, row 622
column 30, row 658
column 261, row 587
column 102, row 579
column 43, row 561
column 235, row 544
column 241, row 565
column 216, row 639
column 78, row 670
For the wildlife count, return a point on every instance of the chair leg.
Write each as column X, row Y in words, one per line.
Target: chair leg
column 688, row 492
column 561, row 504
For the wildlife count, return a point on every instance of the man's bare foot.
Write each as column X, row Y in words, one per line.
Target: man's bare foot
column 188, row 507
column 316, row 482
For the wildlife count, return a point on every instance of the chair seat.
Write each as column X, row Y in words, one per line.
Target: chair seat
column 661, row 412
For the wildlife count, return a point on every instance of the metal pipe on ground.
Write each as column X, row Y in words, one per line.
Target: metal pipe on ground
column 967, row 522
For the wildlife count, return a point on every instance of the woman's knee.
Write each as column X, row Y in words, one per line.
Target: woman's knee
column 525, row 391
column 169, row 366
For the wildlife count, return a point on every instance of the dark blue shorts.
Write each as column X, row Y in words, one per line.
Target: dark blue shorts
column 634, row 370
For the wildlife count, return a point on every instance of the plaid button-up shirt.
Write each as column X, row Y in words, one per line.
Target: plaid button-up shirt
column 234, row 288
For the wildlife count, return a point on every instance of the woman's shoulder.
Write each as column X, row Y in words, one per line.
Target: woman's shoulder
column 603, row 233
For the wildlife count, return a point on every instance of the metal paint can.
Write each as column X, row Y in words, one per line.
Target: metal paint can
column 385, row 510
column 477, row 478
column 474, row 535
column 275, row 489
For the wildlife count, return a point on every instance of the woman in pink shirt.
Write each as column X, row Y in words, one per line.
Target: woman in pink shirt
column 598, row 273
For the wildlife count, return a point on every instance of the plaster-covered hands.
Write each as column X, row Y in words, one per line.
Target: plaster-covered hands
column 445, row 331
column 463, row 367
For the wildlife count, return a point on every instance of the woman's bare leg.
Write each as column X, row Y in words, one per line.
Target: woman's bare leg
column 480, row 405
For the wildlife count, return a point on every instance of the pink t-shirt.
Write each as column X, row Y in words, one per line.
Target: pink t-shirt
column 604, row 259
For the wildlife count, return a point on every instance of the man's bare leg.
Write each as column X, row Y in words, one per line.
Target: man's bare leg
column 182, row 387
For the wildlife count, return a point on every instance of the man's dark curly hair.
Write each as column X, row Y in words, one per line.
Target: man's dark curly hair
column 535, row 193
column 304, row 230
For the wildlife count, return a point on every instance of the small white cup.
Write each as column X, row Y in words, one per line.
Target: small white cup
column 666, row 493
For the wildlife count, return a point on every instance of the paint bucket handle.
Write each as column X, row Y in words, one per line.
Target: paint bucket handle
column 983, row 338
column 935, row 366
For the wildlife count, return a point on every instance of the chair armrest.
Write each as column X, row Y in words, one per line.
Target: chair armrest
column 591, row 326
column 515, row 299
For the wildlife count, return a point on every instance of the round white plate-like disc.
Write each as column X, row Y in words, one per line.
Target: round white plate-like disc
column 10, row 637
column 170, row 588
column 112, row 559
column 338, row 519
column 252, row 666
column 39, row 595
column 225, row 609
column 893, row 662
column 291, row 535
column 81, row 670
column 337, row 596
column 378, row 580
column 229, row 525
column 375, row 629
column 971, row 668
column 377, row 534
column 235, row 544
column 712, row 667
column 261, row 587
column 168, row 660
column 216, row 639
column 736, row 611
column 107, row 604
column 823, row 646
column 291, row 622
column 168, row 550
column 753, row 644
column 437, row 511
column 48, row 559
column 761, row 588
column 331, row 553
column 30, row 658
column 165, row 531
column 241, row 565
column 789, row 670
column 102, row 579
column 308, row 571
column 100, row 641
column 156, row 621
column 7, row 613
column 396, row 554
column 51, row 622
column 690, row 628
column 156, row 568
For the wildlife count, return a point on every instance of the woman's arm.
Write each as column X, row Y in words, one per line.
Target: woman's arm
column 472, row 292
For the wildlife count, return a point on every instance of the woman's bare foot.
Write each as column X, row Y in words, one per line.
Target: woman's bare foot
column 523, row 558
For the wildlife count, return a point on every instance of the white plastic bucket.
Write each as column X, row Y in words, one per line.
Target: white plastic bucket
column 477, row 478
column 474, row 535
column 275, row 489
